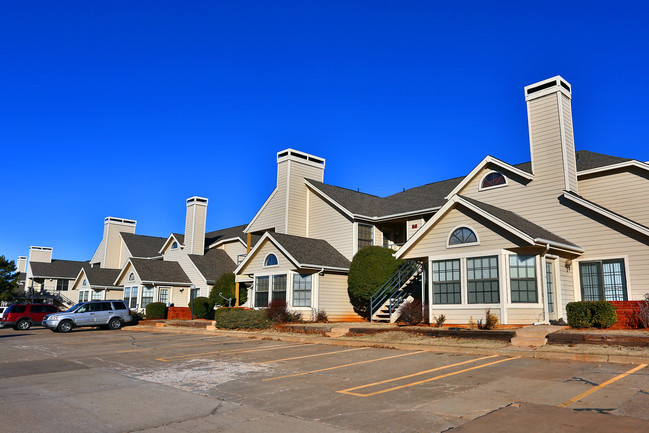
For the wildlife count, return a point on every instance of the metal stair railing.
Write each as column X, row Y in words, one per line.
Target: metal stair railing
column 400, row 278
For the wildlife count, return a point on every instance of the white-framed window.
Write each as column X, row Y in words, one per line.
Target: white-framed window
column 268, row 288
column 447, row 285
column 62, row 285
column 163, row 295
column 84, row 296
column 302, row 288
column 147, row 295
column 174, row 245
column 84, row 283
column 462, row 236
column 278, row 289
column 271, row 260
column 130, row 296
column 603, row 280
column 95, row 295
column 493, row 180
column 365, row 236
column 262, row 289
column 483, row 286
column 522, row 279
column 131, row 276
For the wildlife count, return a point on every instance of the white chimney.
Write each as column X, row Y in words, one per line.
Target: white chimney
column 552, row 146
column 40, row 254
column 111, row 244
column 195, row 225
column 21, row 264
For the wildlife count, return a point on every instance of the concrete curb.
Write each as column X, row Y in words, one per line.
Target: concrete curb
column 342, row 341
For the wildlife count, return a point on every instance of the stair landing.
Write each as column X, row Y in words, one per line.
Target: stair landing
column 534, row 335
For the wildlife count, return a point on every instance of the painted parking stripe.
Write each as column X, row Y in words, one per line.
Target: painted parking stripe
column 349, row 390
column 311, row 356
column 598, row 387
column 213, row 343
column 344, row 365
column 226, row 352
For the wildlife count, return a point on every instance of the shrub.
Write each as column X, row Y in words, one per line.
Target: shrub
column 472, row 324
column 440, row 320
column 201, row 307
column 277, row 311
column 411, row 313
column 641, row 313
column 156, row 310
column 587, row 314
column 321, row 317
column 241, row 318
column 226, row 286
column 490, row 321
column 371, row 267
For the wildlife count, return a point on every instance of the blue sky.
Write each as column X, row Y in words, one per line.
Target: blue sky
column 127, row 108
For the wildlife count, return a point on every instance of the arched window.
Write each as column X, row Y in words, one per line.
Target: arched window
column 271, row 260
column 463, row 235
column 85, row 283
column 493, row 179
column 174, row 245
column 131, row 276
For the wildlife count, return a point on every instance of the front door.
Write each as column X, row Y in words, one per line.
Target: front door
column 550, row 285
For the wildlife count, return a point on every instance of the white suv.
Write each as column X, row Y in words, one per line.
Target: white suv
column 104, row 314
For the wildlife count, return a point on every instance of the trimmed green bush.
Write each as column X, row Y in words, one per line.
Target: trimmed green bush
column 156, row 310
column 588, row 314
column 371, row 267
column 226, row 285
column 201, row 307
column 241, row 318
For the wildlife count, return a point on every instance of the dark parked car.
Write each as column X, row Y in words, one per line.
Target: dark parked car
column 104, row 314
column 22, row 316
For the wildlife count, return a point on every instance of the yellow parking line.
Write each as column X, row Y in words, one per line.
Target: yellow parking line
column 214, row 343
column 348, row 391
column 226, row 352
column 310, row 356
column 608, row 382
column 344, row 365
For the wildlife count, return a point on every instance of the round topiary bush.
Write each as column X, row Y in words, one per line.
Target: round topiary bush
column 201, row 307
column 226, row 286
column 371, row 267
column 156, row 310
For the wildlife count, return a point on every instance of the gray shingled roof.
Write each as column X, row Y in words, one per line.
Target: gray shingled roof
column 586, row 160
column 517, row 221
column 102, row 277
column 213, row 264
column 64, row 269
column 143, row 246
column 160, row 271
column 179, row 237
column 227, row 233
column 411, row 200
column 307, row 251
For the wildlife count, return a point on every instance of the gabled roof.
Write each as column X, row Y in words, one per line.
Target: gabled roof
column 510, row 221
column 100, row 277
column 304, row 253
column 143, row 246
column 158, row 271
column 231, row 233
column 421, row 199
column 587, row 160
column 213, row 264
column 64, row 269
column 575, row 198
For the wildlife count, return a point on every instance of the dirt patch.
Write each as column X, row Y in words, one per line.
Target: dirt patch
column 425, row 340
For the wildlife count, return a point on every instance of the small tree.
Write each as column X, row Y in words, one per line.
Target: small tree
column 201, row 307
column 371, row 267
column 8, row 279
column 226, row 286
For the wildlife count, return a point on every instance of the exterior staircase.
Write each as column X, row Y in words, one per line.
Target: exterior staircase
column 385, row 303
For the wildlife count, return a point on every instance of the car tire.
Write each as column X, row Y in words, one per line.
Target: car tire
column 115, row 324
column 65, row 326
column 23, row 325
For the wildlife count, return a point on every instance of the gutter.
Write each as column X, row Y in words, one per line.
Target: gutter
column 559, row 245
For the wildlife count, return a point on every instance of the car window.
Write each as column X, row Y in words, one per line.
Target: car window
column 84, row 308
column 18, row 308
column 119, row 305
column 104, row 306
column 36, row 309
column 50, row 309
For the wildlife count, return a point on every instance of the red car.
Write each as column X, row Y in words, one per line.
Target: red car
column 22, row 316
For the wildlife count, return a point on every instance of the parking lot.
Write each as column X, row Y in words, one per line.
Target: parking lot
column 160, row 381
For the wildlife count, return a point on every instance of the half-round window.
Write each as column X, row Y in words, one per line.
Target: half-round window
column 174, row 245
column 493, row 179
column 271, row 260
column 463, row 235
column 131, row 276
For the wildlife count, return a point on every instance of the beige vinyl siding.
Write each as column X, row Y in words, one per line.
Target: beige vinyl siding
column 98, row 257
column 462, row 315
column 571, row 166
column 256, row 263
column 124, row 254
column 114, row 249
column 524, row 316
column 625, row 192
column 123, row 279
column 334, row 300
column 328, row 223
column 272, row 215
column 188, row 267
column 233, row 249
column 411, row 231
column 114, row 294
column 567, row 287
column 434, row 242
column 178, row 298
column 297, row 196
column 377, row 237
